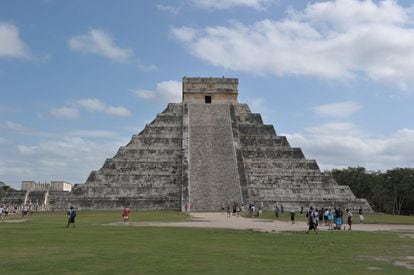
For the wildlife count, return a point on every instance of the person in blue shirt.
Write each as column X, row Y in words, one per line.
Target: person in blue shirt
column 72, row 215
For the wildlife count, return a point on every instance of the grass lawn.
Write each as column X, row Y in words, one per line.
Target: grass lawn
column 43, row 246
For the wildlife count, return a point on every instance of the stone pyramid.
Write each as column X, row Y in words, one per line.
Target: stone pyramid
column 207, row 151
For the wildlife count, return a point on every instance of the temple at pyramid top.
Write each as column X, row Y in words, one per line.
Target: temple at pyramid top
column 210, row 90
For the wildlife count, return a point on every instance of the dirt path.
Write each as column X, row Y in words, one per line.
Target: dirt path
column 219, row 220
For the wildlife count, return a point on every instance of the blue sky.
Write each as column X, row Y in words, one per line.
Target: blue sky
column 79, row 78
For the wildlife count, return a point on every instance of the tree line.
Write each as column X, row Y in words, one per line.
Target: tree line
column 389, row 192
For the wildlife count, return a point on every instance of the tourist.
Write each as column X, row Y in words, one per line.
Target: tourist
column 238, row 210
column 292, row 216
column 282, row 210
column 325, row 216
column 186, row 207
column 228, row 210
column 338, row 219
column 125, row 214
column 311, row 220
column 316, row 216
column 1, row 213
column 234, row 208
column 330, row 219
column 222, row 208
column 277, row 211
column 349, row 220
column 71, row 218
column 361, row 217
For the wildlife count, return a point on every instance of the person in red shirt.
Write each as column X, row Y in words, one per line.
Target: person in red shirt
column 125, row 214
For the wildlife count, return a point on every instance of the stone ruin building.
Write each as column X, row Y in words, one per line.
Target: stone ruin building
column 34, row 196
column 207, row 151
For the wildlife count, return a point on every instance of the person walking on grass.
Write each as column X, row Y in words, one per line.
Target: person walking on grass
column 72, row 216
column 361, row 217
column 276, row 211
column 125, row 214
column 292, row 216
column 311, row 221
column 349, row 220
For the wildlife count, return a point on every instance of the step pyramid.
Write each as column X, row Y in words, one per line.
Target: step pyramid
column 207, row 151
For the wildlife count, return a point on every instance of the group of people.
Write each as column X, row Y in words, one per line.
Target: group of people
column 5, row 210
column 330, row 218
column 4, row 213
column 234, row 209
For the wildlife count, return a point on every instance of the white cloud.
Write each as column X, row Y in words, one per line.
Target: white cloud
column 228, row 4
column 9, row 125
column 340, row 109
column 338, row 145
column 69, row 158
column 11, row 45
column 92, row 104
column 147, row 67
column 165, row 92
column 26, row 150
column 339, row 40
column 93, row 133
column 168, row 8
column 99, row 42
column 64, row 112
column 117, row 111
column 95, row 105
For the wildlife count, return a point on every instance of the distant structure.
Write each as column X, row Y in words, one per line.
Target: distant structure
column 34, row 196
column 52, row 186
column 207, row 151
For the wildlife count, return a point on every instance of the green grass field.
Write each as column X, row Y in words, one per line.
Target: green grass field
column 43, row 246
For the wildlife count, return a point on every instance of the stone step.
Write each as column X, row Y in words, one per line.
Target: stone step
column 254, row 141
column 167, row 120
column 250, row 119
column 213, row 170
column 272, row 153
column 174, row 108
column 148, row 154
column 161, row 131
column 281, row 164
column 117, row 164
column 254, row 130
column 154, row 142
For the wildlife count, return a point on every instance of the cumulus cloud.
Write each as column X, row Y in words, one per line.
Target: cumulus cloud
column 339, row 145
column 228, row 4
column 11, row 45
column 339, row 110
column 95, row 105
column 337, row 40
column 165, row 92
column 101, row 43
column 68, row 158
column 64, row 112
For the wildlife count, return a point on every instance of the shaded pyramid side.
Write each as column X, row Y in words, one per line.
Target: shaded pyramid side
column 276, row 173
column 144, row 174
